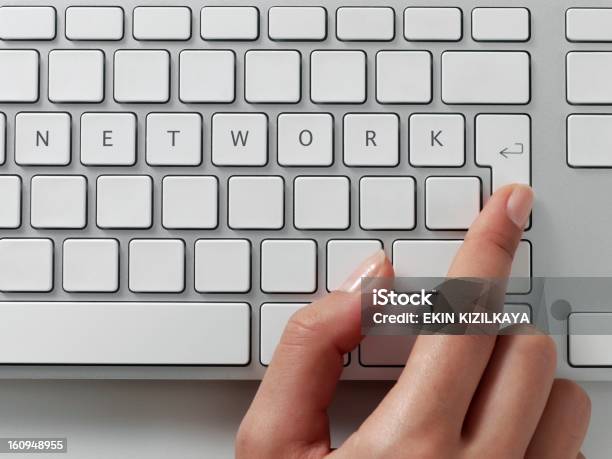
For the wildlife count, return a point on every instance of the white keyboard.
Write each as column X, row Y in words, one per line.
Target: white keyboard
column 176, row 181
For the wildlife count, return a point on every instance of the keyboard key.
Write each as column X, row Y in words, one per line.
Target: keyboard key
column 590, row 339
column 58, row 201
column 222, row 265
column 305, row 139
column 338, row 77
column 273, row 77
column 94, row 23
column 126, row 333
column 157, row 265
column 76, row 76
column 190, row 202
column 230, row 23
column 321, row 203
column 19, row 81
column 503, row 143
column 343, row 257
column 589, row 77
column 10, row 204
column 371, row 139
column 162, row 23
column 403, row 77
column 289, row 266
column 91, row 265
column 42, row 139
column 387, row 203
column 108, row 139
column 2, row 138
column 486, row 77
column 115, row 211
column 142, row 76
column 26, row 265
column 589, row 140
column 365, row 24
column 297, row 23
column 433, row 24
column 240, row 139
column 207, row 76
column 452, row 203
column 174, row 139
column 256, row 202
column 274, row 318
column 437, row 140
column 500, row 24
column 588, row 24
column 27, row 23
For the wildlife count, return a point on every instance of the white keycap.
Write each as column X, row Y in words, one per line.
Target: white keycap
column 344, row 256
column 42, row 139
column 94, row 23
column 256, row 202
column 162, row 23
column 433, row 24
column 142, row 76
column 58, row 201
column 305, row 139
column 338, row 77
column 589, row 77
column 500, row 24
column 274, row 318
column 207, row 76
column 321, row 203
column 239, row 139
column 365, row 24
column 222, row 265
column 299, row 23
column 588, row 24
column 27, row 23
column 437, row 140
column 108, row 139
column 386, row 351
column 19, row 83
column 76, row 76
column 452, row 203
column 486, row 77
column 503, row 143
column 403, row 77
column 91, row 265
column 157, row 265
column 190, row 202
column 230, row 23
column 371, row 139
column 589, row 140
column 273, row 77
column 10, row 204
column 174, row 139
column 289, row 266
column 2, row 138
column 26, row 265
column 126, row 333
column 115, row 211
column 387, row 203
column 590, row 339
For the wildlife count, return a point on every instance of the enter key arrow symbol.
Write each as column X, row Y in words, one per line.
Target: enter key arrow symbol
column 518, row 149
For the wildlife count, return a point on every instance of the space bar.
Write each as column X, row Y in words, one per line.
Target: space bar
column 73, row 333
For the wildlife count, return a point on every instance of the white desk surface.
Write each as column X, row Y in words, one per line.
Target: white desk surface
column 127, row 419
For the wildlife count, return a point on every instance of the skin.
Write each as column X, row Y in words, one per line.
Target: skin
column 500, row 398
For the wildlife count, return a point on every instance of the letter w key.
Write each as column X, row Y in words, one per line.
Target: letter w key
column 239, row 139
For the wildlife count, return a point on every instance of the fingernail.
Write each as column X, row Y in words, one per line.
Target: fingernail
column 519, row 205
column 368, row 268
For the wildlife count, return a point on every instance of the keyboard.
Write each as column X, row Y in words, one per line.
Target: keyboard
column 176, row 181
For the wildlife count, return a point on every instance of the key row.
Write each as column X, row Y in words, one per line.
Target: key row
column 256, row 202
column 220, row 265
column 502, row 142
column 284, row 23
column 271, row 76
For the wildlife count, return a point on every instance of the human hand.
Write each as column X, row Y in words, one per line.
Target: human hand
column 458, row 396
